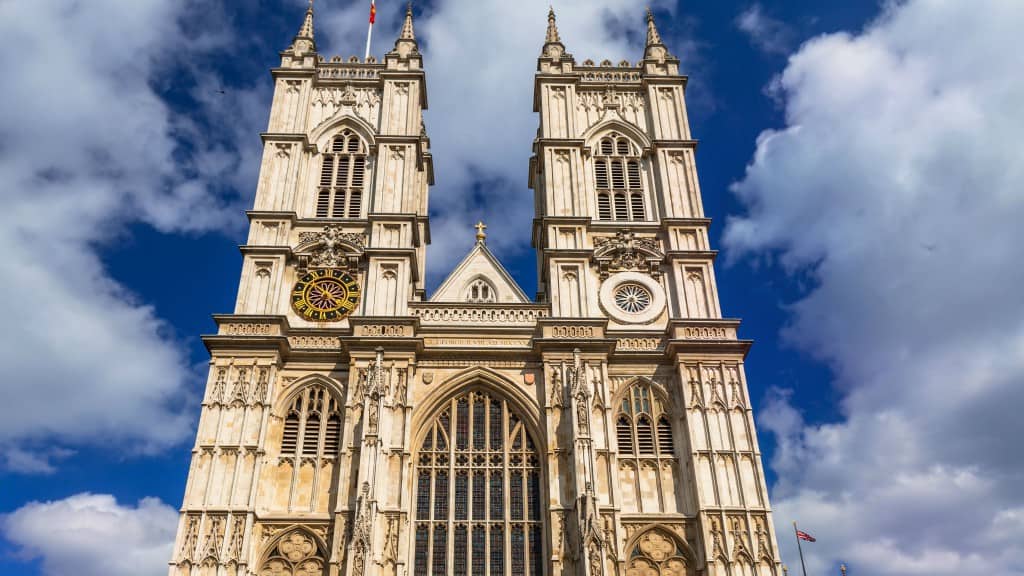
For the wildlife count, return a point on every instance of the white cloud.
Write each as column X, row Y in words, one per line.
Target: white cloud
column 88, row 146
column 480, row 58
column 896, row 185
column 93, row 535
column 766, row 33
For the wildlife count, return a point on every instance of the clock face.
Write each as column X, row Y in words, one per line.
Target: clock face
column 326, row 294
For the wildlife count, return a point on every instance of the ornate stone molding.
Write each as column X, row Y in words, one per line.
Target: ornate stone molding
column 431, row 314
column 626, row 252
column 330, row 248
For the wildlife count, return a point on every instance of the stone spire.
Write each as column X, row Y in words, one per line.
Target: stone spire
column 552, row 35
column 553, row 47
column 655, row 48
column 407, row 31
column 406, row 43
column 304, row 41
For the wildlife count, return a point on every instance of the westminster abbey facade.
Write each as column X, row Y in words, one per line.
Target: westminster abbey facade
column 354, row 425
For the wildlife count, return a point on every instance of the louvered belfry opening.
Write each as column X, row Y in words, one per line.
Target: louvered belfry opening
column 620, row 193
column 312, row 426
column 342, row 178
column 643, row 427
column 478, row 493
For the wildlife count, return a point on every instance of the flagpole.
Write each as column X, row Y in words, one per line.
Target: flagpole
column 800, row 548
column 369, row 35
column 369, row 31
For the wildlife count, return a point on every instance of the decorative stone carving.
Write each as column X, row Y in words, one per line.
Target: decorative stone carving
column 362, row 531
column 330, row 248
column 390, row 552
column 214, row 541
column 294, row 555
column 658, row 553
column 557, row 391
column 627, row 252
column 191, row 539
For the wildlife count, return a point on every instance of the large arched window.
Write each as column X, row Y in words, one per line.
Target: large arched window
column 620, row 192
column 478, row 495
column 342, row 178
column 312, row 426
column 642, row 427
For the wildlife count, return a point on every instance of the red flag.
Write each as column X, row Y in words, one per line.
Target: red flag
column 373, row 12
column 805, row 536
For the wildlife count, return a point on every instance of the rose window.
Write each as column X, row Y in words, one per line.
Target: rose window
column 633, row 298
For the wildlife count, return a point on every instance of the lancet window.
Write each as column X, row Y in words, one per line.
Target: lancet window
column 312, row 427
column 620, row 192
column 643, row 427
column 480, row 291
column 478, row 494
column 342, row 178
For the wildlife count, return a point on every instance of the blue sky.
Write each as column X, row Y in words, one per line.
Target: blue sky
column 861, row 161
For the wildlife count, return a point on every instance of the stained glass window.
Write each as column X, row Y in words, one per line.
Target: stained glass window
column 490, row 474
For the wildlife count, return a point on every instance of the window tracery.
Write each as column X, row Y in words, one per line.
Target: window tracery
column 342, row 177
column 478, row 492
column 620, row 192
column 296, row 554
column 312, row 427
column 657, row 553
column 480, row 290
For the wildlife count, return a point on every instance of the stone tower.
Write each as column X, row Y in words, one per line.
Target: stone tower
column 352, row 426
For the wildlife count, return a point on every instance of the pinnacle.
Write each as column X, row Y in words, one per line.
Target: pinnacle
column 653, row 38
column 407, row 31
column 552, row 35
column 307, row 23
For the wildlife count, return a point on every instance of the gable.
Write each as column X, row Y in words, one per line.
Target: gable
column 480, row 269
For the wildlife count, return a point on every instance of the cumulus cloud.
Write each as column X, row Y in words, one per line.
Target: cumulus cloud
column 93, row 535
column 480, row 58
column 88, row 145
column 896, row 185
column 768, row 34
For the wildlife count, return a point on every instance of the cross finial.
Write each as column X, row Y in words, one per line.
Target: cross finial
column 481, row 236
column 842, row 568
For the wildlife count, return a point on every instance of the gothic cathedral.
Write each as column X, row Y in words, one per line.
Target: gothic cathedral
column 354, row 426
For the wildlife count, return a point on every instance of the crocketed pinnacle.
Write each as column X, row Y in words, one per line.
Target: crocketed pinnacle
column 552, row 35
column 307, row 23
column 653, row 38
column 407, row 31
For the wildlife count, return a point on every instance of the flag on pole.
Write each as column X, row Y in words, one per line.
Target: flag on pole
column 805, row 536
column 373, row 12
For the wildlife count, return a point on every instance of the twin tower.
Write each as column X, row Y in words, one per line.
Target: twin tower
column 354, row 426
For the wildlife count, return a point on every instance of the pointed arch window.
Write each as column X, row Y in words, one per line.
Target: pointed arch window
column 643, row 427
column 312, row 426
column 342, row 177
column 620, row 192
column 480, row 290
column 478, row 492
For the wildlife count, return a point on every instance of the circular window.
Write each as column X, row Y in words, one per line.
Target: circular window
column 632, row 298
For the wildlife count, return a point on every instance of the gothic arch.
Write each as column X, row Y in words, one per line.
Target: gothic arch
column 294, row 548
column 322, row 134
column 334, row 388
column 633, row 549
column 480, row 479
column 594, row 134
column 483, row 378
column 663, row 396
